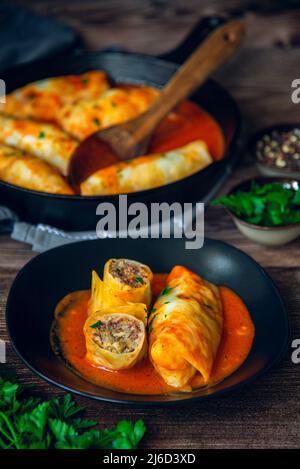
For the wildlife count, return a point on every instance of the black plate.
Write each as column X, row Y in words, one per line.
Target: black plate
column 51, row 275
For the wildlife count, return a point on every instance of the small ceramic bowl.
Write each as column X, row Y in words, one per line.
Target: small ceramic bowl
column 269, row 236
column 270, row 169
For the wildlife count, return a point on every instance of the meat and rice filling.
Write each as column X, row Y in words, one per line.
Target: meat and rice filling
column 118, row 333
column 128, row 272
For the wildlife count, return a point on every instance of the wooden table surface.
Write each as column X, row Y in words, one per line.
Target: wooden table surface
column 267, row 413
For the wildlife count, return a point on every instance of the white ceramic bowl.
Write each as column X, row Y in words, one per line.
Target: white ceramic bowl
column 265, row 169
column 267, row 235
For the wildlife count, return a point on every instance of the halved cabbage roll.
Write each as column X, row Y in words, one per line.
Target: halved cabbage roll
column 112, row 107
column 115, row 340
column 185, row 328
column 42, row 99
column 45, row 141
column 21, row 169
column 124, row 281
column 147, row 172
column 115, row 330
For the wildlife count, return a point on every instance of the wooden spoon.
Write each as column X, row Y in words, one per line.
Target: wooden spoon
column 131, row 139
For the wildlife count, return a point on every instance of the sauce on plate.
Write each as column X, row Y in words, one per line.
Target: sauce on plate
column 71, row 314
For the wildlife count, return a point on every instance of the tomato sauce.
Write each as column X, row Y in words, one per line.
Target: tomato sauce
column 71, row 314
column 187, row 123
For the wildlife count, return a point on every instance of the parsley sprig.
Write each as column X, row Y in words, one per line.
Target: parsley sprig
column 27, row 422
column 272, row 204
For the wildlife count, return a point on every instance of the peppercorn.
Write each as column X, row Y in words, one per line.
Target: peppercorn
column 280, row 149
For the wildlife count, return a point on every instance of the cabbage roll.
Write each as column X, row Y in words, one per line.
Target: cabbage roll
column 115, row 340
column 147, row 172
column 23, row 170
column 185, row 328
column 42, row 99
column 112, row 107
column 45, row 141
column 124, row 281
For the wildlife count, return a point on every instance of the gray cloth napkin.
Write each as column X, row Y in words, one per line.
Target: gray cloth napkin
column 43, row 237
column 26, row 36
column 40, row 237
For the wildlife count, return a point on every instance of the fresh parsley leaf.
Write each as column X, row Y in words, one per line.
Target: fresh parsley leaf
column 61, row 430
column 96, row 324
column 42, row 134
column 80, row 424
column 139, row 430
column 272, row 204
column 27, row 422
column 64, row 407
column 296, row 198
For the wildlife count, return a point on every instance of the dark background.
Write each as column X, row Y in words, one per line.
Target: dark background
column 270, row 51
column 154, row 26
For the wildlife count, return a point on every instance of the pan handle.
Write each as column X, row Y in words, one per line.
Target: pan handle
column 200, row 31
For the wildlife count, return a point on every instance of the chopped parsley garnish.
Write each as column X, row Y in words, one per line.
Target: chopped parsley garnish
column 42, row 134
column 139, row 280
column 96, row 324
column 150, row 324
column 84, row 81
column 15, row 153
column 165, row 291
column 96, row 121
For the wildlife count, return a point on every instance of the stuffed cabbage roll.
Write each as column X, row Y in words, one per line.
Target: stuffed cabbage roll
column 45, row 141
column 124, row 281
column 185, row 328
column 42, row 99
column 21, row 169
column 112, row 107
column 147, row 172
column 115, row 340
column 115, row 330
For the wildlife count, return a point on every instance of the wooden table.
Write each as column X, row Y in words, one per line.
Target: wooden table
column 267, row 413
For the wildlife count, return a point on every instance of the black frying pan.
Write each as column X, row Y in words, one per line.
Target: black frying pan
column 79, row 213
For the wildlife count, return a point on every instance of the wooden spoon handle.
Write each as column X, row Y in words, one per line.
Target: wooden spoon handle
column 215, row 50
